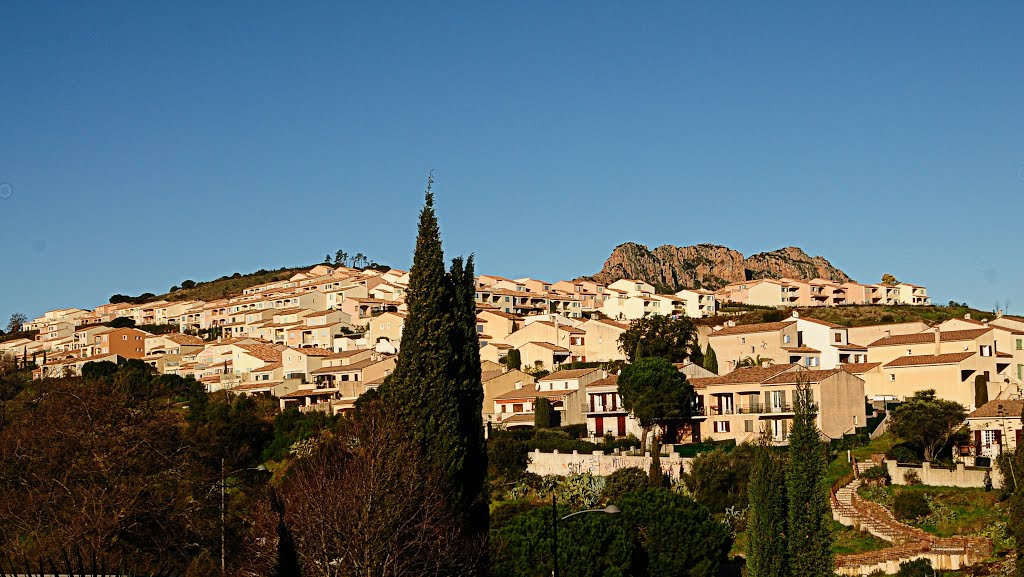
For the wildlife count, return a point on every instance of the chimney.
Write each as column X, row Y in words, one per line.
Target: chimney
column 967, row 316
column 938, row 339
column 888, row 333
column 984, row 323
column 796, row 315
column 999, row 313
column 519, row 385
column 730, row 324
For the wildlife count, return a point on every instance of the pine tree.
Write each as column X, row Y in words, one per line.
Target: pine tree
column 767, row 514
column 711, row 360
column 809, row 536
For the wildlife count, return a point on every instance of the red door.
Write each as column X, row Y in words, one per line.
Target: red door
column 599, row 425
column 622, row 425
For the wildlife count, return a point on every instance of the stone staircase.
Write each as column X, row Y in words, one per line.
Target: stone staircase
column 909, row 543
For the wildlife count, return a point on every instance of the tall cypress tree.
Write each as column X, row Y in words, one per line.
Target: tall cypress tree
column 469, row 390
column 767, row 553
column 711, row 360
column 809, row 537
column 435, row 387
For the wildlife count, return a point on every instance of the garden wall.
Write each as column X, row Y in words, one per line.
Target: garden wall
column 598, row 463
column 942, row 477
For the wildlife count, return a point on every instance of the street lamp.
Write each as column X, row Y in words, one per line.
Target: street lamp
column 223, row 486
column 610, row 509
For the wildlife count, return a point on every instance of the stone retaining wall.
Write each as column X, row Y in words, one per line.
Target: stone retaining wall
column 599, row 463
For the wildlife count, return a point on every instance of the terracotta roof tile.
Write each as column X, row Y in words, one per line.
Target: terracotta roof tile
column 858, row 368
column 999, row 407
column 548, row 346
column 800, row 376
column 746, row 375
column 918, row 360
column 929, row 337
column 568, row 374
column 756, row 328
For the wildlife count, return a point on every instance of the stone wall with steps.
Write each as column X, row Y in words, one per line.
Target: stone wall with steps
column 909, row 543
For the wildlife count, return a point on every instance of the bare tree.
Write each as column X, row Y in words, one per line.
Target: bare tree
column 14, row 324
column 365, row 504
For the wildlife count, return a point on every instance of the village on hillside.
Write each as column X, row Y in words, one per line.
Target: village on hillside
column 323, row 337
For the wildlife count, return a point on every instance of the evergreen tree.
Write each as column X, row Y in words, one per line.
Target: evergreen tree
column 471, row 478
column 767, row 513
column 435, row 387
column 514, row 359
column 1016, row 516
column 541, row 413
column 809, row 536
column 711, row 360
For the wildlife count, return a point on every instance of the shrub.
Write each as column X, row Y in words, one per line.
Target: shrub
column 507, row 457
column 622, row 481
column 909, row 505
column 911, row 478
column 903, row 453
column 877, row 475
column 916, row 568
column 575, row 431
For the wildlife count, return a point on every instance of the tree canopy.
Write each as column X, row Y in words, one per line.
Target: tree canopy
column 654, row 390
column 927, row 421
column 674, row 340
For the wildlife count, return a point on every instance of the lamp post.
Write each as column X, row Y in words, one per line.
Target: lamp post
column 610, row 509
column 223, row 492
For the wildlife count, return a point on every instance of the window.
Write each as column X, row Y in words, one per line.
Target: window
column 517, row 408
column 839, row 337
column 1020, row 344
column 786, row 339
column 892, row 378
column 721, row 426
column 743, row 340
column 748, row 426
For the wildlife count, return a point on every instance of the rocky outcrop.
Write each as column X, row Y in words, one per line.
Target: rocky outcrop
column 710, row 266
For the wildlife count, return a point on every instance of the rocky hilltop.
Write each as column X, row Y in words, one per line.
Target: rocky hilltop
column 710, row 266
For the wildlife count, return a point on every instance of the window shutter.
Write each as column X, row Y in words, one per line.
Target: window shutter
column 783, row 398
column 977, row 442
column 727, row 426
column 999, row 437
column 1019, row 431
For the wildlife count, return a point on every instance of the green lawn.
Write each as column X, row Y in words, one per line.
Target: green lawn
column 849, row 540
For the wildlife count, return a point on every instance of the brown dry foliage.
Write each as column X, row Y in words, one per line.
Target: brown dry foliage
column 364, row 504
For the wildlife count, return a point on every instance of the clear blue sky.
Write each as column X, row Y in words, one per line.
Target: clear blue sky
column 143, row 144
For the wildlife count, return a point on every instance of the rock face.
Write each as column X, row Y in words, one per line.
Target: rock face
column 710, row 266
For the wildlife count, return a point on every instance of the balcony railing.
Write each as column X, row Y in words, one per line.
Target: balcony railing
column 754, row 409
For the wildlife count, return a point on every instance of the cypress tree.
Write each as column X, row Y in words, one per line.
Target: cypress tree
column 435, row 388
column 767, row 515
column 541, row 413
column 1016, row 516
column 711, row 360
column 469, row 390
column 809, row 537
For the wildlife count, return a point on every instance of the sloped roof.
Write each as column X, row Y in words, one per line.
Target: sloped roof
column 929, row 337
column 918, row 360
column 568, row 374
column 755, row 328
column 1010, row 408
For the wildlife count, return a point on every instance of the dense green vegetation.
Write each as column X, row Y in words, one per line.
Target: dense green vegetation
column 848, row 315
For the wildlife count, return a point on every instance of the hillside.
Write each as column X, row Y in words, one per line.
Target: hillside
column 710, row 266
column 217, row 288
